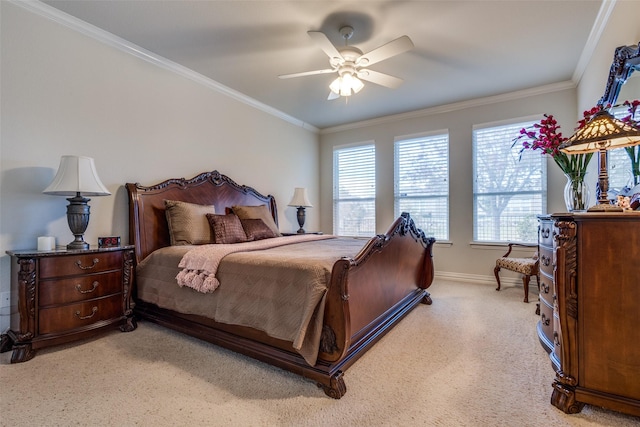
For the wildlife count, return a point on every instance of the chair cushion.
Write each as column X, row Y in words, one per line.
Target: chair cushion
column 526, row 266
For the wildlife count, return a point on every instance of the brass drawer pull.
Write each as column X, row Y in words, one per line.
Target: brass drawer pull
column 545, row 288
column 95, row 262
column 545, row 233
column 545, row 320
column 87, row 291
column 94, row 310
column 556, row 341
column 545, row 260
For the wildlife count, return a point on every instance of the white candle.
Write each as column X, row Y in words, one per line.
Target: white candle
column 46, row 243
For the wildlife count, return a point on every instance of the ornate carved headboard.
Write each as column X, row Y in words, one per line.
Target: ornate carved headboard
column 148, row 228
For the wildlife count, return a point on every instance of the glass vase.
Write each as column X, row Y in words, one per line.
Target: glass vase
column 576, row 192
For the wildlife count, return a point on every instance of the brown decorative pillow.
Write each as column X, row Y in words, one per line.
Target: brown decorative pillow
column 226, row 228
column 256, row 229
column 257, row 212
column 188, row 224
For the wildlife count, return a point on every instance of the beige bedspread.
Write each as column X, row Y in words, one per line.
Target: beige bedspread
column 279, row 291
column 200, row 264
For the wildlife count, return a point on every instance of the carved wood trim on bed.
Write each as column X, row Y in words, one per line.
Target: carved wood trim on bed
column 367, row 295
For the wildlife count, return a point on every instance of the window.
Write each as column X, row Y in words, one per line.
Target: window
column 422, row 182
column 618, row 160
column 509, row 187
column 354, row 191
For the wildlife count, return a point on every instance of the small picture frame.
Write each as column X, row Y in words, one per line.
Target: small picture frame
column 109, row 242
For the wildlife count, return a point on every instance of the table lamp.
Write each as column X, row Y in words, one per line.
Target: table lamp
column 603, row 132
column 300, row 201
column 77, row 177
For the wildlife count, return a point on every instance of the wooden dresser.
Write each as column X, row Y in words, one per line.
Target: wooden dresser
column 548, row 311
column 67, row 295
column 595, row 295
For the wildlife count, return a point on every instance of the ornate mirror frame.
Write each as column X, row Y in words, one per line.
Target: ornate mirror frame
column 626, row 60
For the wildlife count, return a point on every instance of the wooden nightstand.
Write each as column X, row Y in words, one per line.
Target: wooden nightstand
column 67, row 295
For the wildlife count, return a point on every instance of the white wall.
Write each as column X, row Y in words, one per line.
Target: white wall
column 460, row 258
column 622, row 29
column 66, row 93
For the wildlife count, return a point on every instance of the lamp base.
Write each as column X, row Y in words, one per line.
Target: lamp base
column 604, row 207
column 78, row 218
column 301, row 217
column 78, row 245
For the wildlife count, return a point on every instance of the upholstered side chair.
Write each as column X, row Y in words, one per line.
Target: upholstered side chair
column 528, row 267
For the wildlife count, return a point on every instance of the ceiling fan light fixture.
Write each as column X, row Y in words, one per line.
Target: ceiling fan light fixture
column 346, row 85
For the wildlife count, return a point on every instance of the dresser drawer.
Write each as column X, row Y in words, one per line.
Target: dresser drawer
column 546, row 233
column 70, row 265
column 73, row 316
column 80, row 288
column 546, row 289
column 546, row 320
column 546, row 260
column 557, row 339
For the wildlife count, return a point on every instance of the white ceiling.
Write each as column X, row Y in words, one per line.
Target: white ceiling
column 463, row 49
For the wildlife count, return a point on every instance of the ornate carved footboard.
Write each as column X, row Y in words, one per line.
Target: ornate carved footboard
column 367, row 295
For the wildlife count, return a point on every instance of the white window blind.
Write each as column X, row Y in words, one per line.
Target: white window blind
column 354, row 191
column 618, row 160
column 422, row 182
column 509, row 188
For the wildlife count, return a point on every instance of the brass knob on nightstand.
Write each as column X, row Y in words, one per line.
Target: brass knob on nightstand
column 87, row 291
column 94, row 310
column 95, row 262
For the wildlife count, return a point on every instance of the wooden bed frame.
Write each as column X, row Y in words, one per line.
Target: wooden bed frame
column 367, row 295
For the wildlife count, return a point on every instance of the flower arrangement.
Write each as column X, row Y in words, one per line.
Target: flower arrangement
column 546, row 137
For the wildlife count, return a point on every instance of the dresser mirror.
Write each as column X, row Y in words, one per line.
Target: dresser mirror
column 624, row 76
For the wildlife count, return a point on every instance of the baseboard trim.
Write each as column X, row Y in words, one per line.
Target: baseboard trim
column 482, row 279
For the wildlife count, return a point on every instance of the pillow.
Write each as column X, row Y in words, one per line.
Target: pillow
column 226, row 228
column 188, row 224
column 257, row 212
column 256, row 229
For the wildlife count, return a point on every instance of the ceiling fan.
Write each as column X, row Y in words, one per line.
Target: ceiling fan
column 351, row 64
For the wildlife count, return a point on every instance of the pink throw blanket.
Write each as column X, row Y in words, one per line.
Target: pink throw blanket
column 199, row 265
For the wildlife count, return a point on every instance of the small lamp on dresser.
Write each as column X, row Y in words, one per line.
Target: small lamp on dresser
column 300, row 201
column 603, row 132
column 77, row 177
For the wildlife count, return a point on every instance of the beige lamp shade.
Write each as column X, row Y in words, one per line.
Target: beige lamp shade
column 603, row 131
column 76, row 174
column 300, row 198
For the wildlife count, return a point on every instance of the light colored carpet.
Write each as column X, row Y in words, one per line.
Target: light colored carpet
column 470, row 359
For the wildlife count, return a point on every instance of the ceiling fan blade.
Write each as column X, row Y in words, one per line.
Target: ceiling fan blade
column 380, row 78
column 307, row 73
column 393, row 48
column 325, row 44
column 332, row 95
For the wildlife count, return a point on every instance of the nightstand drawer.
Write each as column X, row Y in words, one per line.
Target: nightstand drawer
column 73, row 316
column 79, row 288
column 71, row 265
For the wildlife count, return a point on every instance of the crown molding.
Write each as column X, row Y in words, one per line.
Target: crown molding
column 606, row 8
column 105, row 37
column 456, row 106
